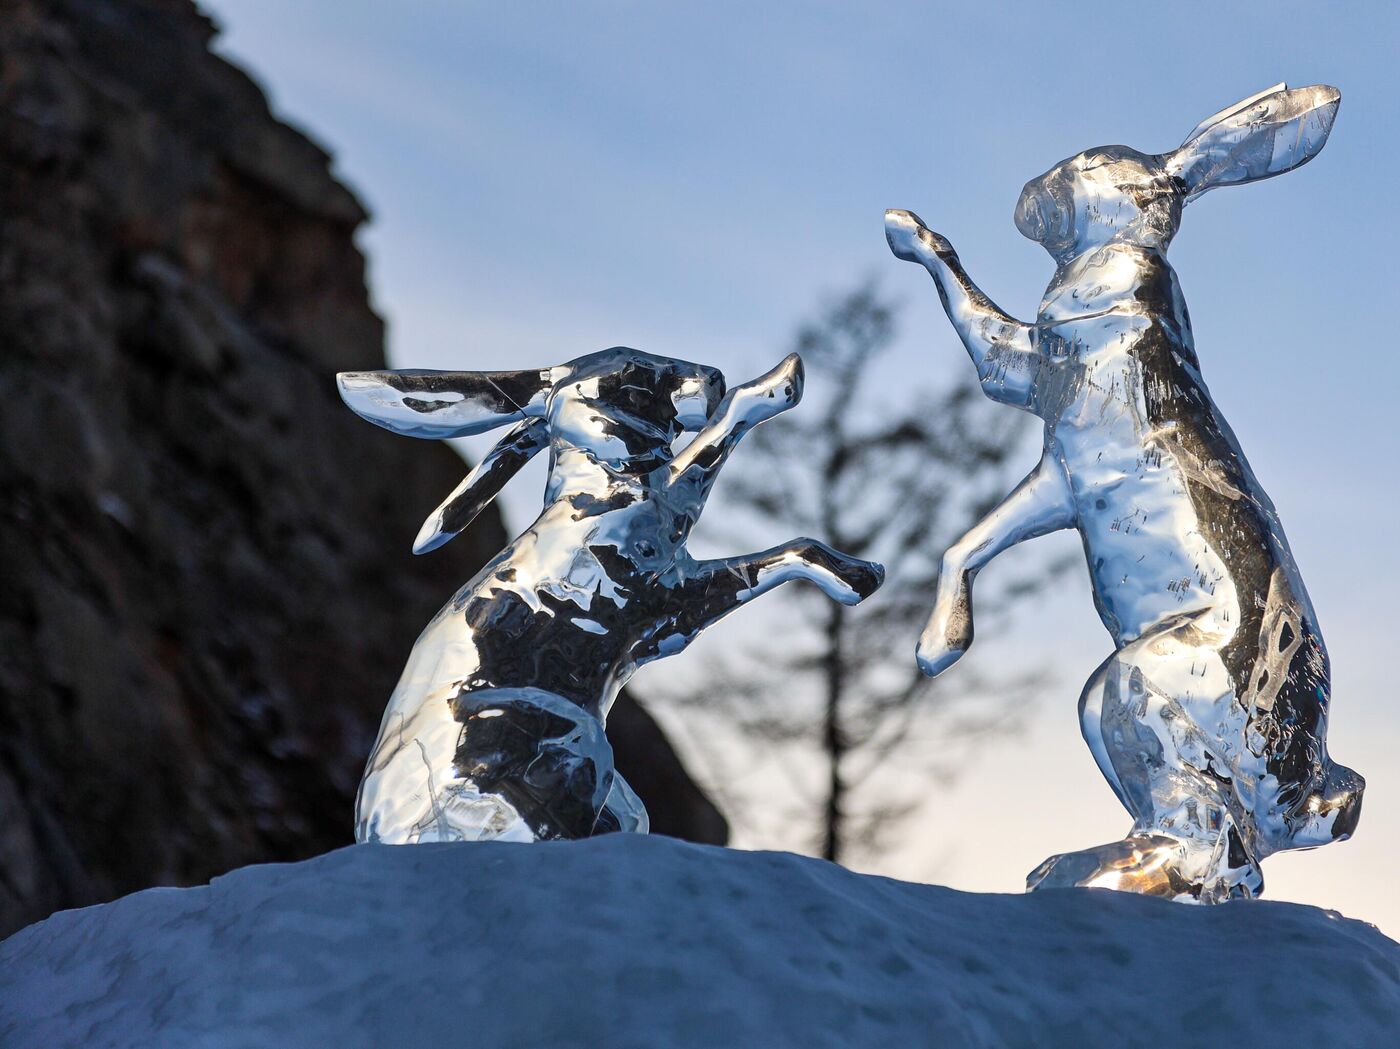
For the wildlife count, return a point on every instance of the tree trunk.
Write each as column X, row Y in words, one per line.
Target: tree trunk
column 834, row 739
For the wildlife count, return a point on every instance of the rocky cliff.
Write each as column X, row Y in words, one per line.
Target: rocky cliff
column 206, row 592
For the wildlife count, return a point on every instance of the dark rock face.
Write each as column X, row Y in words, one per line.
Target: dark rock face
column 205, row 589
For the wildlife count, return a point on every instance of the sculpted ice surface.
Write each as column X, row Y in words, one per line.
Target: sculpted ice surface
column 496, row 728
column 1209, row 720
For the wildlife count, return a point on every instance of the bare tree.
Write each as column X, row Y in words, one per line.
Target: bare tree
column 878, row 467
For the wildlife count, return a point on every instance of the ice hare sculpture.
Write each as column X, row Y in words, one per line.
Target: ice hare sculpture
column 1210, row 718
column 496, row 728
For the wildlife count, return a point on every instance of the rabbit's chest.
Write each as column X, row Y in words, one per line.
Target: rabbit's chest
column 1090, row 379
column 1148, row 556
column 1098, row 418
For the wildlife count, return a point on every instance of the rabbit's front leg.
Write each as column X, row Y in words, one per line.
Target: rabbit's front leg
column 841, row 577
column 1040, row 504
column 1000, row 346
column 742, row 408
column 711, row 590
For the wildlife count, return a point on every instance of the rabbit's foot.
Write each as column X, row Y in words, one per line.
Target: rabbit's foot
column 947, row 636
column 1154, row 865
column 1144, row 863
column 910, row 239
column 862, row 579
column 841, row 577
column 769, row 394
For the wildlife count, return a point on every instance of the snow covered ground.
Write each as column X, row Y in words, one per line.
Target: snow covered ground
column 631, row 941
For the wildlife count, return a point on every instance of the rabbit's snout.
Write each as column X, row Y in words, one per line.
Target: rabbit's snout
column 1043, row 213
column 697, row 396
column 1104, row 195
column 1029, row 220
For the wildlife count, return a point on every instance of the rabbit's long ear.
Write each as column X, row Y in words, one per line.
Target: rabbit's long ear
column 516, row 448
column 1263, row 135
column 437, row 405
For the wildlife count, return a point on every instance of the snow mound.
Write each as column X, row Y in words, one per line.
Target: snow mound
column 633, row 941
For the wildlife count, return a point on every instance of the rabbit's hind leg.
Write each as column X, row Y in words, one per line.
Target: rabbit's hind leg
column 1141, row 715
column 546, row 757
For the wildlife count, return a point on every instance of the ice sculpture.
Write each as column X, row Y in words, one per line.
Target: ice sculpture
column 1210, row 719
column 496, row 728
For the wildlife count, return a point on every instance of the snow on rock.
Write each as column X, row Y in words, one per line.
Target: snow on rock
column 632, row 941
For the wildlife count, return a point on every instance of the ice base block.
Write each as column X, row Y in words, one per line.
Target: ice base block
column 642, row 941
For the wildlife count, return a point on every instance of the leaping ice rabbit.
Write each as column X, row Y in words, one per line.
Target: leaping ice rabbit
column 496, row 727
column 1210, row 718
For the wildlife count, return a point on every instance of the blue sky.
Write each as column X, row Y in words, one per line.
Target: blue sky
column 693, row 180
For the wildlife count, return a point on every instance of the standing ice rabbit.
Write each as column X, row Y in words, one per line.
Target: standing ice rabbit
column 1209, row 720
column 496, row 728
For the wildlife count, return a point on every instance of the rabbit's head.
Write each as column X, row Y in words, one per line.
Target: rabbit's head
column 621, row 407
column 622, row 404
column 1115, row 194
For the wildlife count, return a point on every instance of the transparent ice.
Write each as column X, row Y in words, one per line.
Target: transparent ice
column 496, row 728
column 1209, row 720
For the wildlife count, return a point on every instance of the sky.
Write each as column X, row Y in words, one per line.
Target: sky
column 696, row 179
